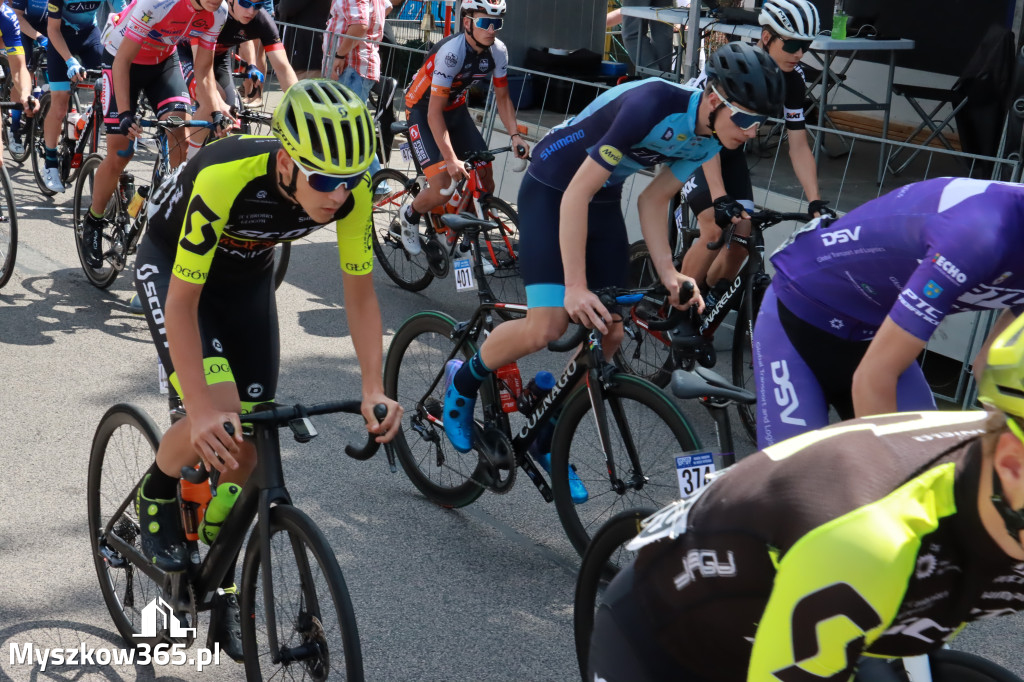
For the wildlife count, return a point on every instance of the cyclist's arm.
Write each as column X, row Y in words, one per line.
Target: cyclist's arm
column 26, row 27
column 890, row 353
column 435, row 119
column 206, row 83
column 507, row 112
column 21, row 83
column 713, row 176
column 279, row 61
column 121, row 70
column 802, row 158
column 53, row 28
column 580, row 303
column 652, row 205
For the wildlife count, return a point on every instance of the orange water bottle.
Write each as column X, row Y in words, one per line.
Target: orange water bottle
column 194, row 499
column 510, row 385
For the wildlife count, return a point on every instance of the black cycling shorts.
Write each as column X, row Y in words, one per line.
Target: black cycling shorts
column 540, row 254
column 735, row 177
column 237, row 321
column 222, row 74
column 462, row 133
column 163, row 85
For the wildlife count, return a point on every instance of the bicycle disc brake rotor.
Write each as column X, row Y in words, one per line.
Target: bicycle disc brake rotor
column 498, row 459
column 437, row 259
column 318, row 663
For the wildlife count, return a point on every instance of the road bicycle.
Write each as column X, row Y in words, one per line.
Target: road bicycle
column 607, row 554
column 127, row 214
column 8, row 216
column 617, row 432
column 394, row 190
column 653, row 355
column 297, row 617
column 79, row 132
column 40, row 85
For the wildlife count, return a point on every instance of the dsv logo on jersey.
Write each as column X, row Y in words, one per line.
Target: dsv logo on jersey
column 840, row 236
column 785, row 394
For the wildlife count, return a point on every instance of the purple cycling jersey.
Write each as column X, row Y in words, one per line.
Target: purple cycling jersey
column 916, row 254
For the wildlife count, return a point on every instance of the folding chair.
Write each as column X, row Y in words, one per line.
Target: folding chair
column 952, row 97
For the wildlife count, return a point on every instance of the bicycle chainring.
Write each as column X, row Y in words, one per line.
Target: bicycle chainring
column 497, row 459
column 437, row 259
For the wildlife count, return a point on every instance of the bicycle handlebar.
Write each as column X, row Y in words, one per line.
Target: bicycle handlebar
column 647, row 303
column 281, row 415
column 759, row 220
column 166, row 124
column 479, row 158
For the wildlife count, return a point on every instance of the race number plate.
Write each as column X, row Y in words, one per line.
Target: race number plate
column 464, row 275
column 694, row 472
column 406, row 153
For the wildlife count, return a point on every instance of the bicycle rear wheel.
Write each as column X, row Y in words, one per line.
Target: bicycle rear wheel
column 315, row 623
column 644, row 353
column 638, row 415
column 103, row 276
column 416, row 356
column 604, row 557
column 502, row 251
column 8, row 229
column 408, row 272
column 123, row 449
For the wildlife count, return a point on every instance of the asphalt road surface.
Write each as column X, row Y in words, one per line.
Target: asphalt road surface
column 481, row 593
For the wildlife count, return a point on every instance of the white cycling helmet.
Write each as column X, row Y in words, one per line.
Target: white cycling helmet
column 794, row 19
column 494, row 8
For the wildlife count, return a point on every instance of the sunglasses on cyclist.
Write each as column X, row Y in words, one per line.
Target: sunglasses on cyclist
column 488, row 23
column 248, row 4
column 321, row 182
column 792, row 46
column 745, row 120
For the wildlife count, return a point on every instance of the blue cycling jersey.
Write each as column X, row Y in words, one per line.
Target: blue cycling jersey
column 10, row 31
column 80, row 14
column 916, row 254
column 34, row 11
column 630, row 127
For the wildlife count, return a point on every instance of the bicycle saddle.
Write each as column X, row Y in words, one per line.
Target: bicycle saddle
column 703, row 382
column 460, row 221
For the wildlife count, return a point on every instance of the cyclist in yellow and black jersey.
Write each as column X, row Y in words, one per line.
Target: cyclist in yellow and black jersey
column 204, row 274
column 881, row 536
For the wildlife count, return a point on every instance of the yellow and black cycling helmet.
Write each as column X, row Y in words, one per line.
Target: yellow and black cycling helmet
column 325, row 127
column 1002, row 382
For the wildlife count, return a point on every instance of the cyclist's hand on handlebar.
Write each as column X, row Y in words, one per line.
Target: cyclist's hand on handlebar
column 674, row 283
column 457, row 170
column 728, row 210
column 520, row 147
column 388, row 428
column 819, row 209
column 254, row 74
column 584, row 307
column 30, row 105
column 224, row 121
column 211, row 441
column 127, row 125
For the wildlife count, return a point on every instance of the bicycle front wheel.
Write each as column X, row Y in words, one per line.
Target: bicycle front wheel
column 123, row 449
column 646, row 433
column 392, row 192
column 8, row 229
column 103, row 276
column 502, row 252
column 315, row 625
column 605, row 555
column 644, row 353
column 415, row 358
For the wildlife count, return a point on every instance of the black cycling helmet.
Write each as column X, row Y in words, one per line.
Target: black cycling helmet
column 748, row 77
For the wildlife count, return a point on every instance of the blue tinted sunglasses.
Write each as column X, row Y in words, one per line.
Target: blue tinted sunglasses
column 488, row 23
column 321, row 182
column 249, row 4
column 744, row 119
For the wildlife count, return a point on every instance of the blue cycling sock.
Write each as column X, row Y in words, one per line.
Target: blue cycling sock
column 469, row 377
column 49, row 157
column 16, row 121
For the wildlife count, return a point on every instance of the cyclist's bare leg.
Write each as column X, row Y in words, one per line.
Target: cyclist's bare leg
column 176, row 449
column 197, row 136
column 431, row 196
column 109, row 170
column 55, row 116
column 516, row 339
column 700, row 263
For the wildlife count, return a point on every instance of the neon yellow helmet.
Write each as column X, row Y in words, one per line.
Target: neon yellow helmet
column 1002, row 383
column 325, row 127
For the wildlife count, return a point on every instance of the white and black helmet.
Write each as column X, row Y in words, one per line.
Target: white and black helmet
column 792, row 19
column 493, row 8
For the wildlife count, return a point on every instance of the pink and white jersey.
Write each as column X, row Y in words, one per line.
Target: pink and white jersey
column 158, row 25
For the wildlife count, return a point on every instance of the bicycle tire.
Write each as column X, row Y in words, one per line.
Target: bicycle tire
column 37, row 145
column 743, row 355
column 26, row 127
column 103, row 276
column 334, row 634
column 416, row 355
column 949, row 665
column 8, row 230
column 641, row 353
column 505, row 284
column 659, row 432
column 282, row 255
column 123, row 449
column 601, row 562
column 408, row 272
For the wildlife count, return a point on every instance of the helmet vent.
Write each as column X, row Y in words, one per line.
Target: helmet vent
column 315, row 142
